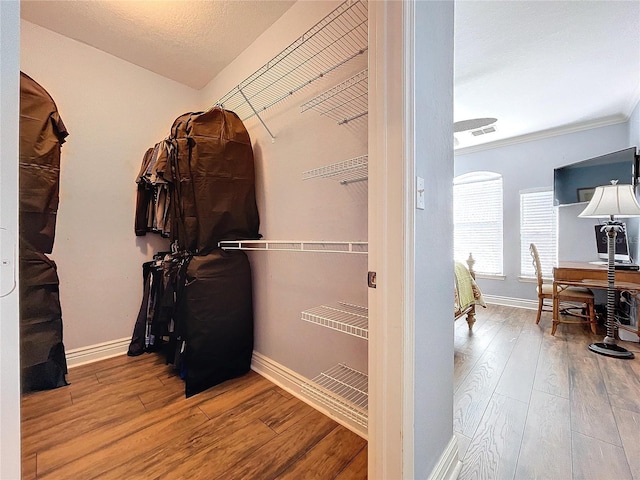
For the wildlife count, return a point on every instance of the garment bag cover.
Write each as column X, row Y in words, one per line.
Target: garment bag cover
column 184, row 226
column 41, row 134
column 215, row 179
column 42, row 356
column 218, row 319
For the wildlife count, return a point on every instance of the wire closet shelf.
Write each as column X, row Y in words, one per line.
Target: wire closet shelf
column 347, row 171
column 343, row 389
column 347, row 318
column 344, row 103
column 332, row 42
column 296, row 246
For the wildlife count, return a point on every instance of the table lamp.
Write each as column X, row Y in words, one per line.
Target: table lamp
column 611, row 201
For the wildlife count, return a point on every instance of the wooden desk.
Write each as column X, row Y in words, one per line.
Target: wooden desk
column 583, row 274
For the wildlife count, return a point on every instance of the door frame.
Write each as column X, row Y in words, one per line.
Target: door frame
column 391, row 248
column 9, row 323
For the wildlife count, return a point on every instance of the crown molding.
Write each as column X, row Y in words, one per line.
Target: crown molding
column 552, row 132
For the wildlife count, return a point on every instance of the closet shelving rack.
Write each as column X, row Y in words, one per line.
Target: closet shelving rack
column 347, row 171
column 296, row 246
column 347, row 318
column 336, row 39
column 344, row 103
column 343, row 389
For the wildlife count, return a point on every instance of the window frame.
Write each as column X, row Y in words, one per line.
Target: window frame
column 484, row 238
column 543, row 232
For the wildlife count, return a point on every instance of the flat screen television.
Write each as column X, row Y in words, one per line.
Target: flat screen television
column 622, row 245
column 576, row 182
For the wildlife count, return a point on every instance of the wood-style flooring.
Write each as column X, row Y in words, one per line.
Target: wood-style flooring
column 526, row 406
column 531, row 406
column 127, row 418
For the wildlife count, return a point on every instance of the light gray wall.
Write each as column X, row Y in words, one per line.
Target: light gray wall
column 433, row 381
column 634, row 126
column 114, row 111
column 530, row 165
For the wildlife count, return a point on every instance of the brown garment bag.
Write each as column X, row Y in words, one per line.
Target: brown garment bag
column 213, row 179
column 41, row 134
column 42, row 357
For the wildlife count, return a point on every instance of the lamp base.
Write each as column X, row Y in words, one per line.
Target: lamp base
column 611, row 350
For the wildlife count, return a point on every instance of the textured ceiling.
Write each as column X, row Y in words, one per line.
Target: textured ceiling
column 545, row 65
column 187, row 41
column 539, row 67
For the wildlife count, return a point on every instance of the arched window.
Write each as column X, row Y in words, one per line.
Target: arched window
column 477, row 220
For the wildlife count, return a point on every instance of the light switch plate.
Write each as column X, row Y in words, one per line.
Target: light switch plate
column 420, row 193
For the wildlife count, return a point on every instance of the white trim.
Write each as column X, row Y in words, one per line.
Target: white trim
column 490, row 276
column 530, row 279
column 409, row 268
column 511, row 302
column 293, row 382
column 386, row 231
column 552, row 132
column 99, row 351
column 448, row 466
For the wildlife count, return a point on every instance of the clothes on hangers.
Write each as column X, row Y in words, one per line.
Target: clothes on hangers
column 199, row 185
column 153, row 197
column 158, row 326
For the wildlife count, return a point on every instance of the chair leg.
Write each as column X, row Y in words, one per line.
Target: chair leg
column 540, row 304
column 555, row 315
column 592, row 317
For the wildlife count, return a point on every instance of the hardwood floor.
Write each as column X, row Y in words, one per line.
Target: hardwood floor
column 529, row 405
column 127, row 418
column 526, row 405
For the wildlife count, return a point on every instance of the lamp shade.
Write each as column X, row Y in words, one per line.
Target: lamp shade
column 612, row 200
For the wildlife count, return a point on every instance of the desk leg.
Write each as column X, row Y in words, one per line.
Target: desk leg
column 555, row 308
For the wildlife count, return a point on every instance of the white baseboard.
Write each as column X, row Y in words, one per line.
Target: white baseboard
column 448, row 466
column 282, row 376
column 99, row 351
column 511, row 302
column 293, row 382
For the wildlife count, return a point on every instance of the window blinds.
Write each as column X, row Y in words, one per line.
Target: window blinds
column 538, row 225
column 477, row 220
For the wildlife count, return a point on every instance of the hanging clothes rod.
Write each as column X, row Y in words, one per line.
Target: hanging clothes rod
column 335, row 40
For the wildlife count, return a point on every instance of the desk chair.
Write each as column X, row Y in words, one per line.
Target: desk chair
column 571, row 295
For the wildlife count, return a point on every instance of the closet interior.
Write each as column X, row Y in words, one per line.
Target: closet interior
column 305, row 112
column 318, row 71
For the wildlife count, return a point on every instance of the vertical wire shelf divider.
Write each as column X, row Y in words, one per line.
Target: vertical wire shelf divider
column 347, row 318
column 337, row 38
column 342, row 389
column 344, row 103
column 348, row 171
